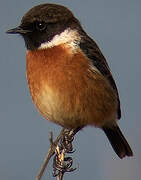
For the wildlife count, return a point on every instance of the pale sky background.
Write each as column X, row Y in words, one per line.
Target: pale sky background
column 24, row 134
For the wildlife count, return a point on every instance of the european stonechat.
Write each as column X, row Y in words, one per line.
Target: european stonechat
column 69, row 79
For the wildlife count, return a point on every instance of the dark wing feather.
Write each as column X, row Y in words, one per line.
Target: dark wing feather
column 90, row 48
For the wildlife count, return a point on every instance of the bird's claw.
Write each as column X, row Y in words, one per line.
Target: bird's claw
column 60, row 162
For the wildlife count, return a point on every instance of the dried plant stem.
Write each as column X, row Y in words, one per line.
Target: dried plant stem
column 50, row 153
column 60, row 176
column 61, row 156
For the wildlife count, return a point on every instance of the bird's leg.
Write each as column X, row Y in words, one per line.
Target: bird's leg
column 67, row 139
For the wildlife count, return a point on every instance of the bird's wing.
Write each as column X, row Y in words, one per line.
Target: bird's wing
column 90, row 48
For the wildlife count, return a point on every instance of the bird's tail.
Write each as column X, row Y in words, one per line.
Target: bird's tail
column 118, row 141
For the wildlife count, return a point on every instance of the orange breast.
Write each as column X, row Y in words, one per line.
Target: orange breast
column 66, row 91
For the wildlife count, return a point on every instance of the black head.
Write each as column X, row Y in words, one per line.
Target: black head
column 41, row 23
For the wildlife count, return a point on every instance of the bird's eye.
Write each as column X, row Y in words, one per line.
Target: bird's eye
column 41, row 26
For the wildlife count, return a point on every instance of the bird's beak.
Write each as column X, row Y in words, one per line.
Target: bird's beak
column 18, row 30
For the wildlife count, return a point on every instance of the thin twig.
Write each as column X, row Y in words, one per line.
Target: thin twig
column 61, row 156
column 60, row 176
column 50, row 153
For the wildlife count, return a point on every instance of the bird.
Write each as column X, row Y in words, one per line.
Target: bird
column 69, row 79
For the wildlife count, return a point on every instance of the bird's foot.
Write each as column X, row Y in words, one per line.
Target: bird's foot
column 62, row 164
